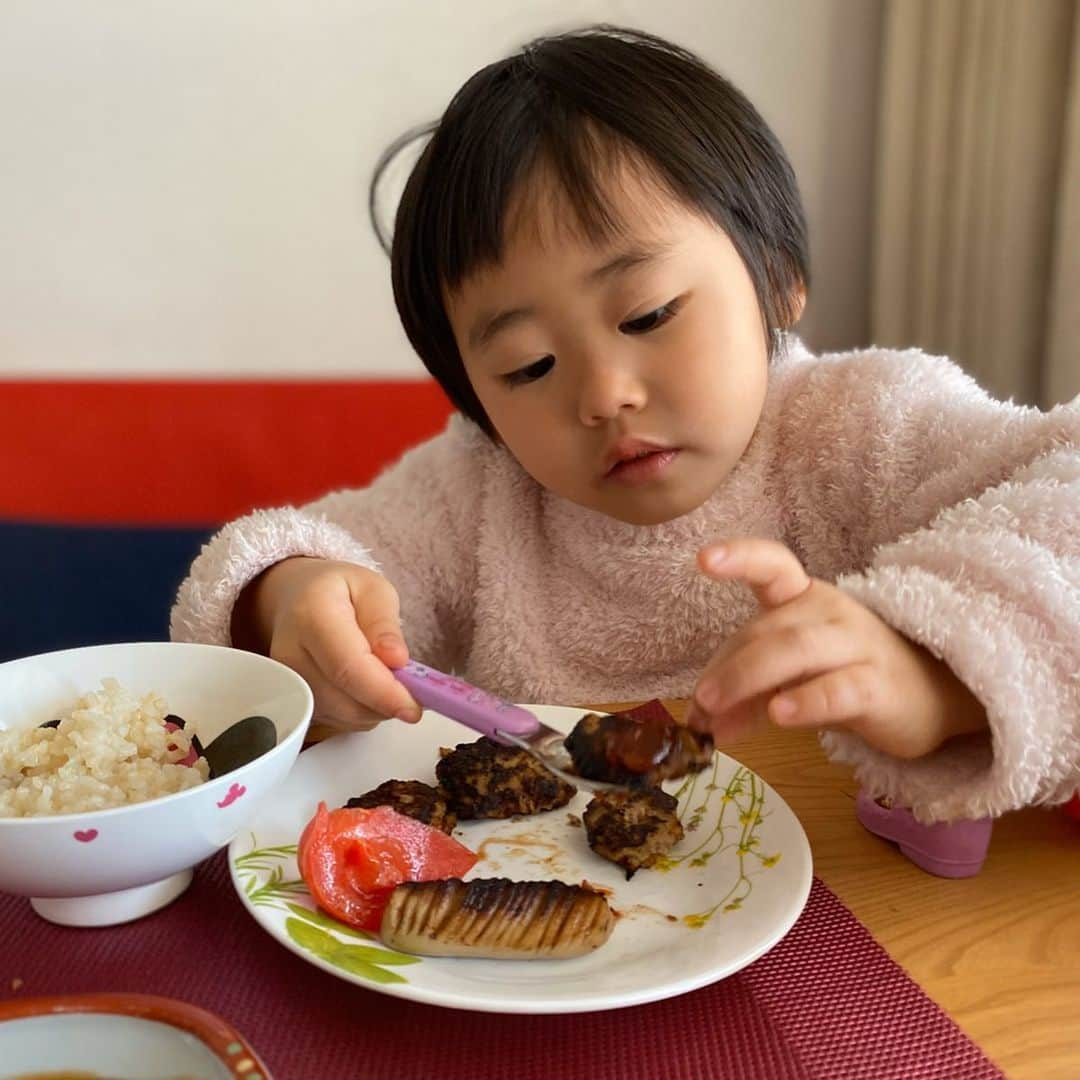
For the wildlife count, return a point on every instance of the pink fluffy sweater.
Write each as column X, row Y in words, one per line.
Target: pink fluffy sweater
column 953, row 516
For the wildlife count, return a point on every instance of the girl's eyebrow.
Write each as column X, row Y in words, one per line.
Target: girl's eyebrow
column 627, row 260
column 489, row 325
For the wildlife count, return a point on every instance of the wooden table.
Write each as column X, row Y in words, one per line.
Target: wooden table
column 999, row 952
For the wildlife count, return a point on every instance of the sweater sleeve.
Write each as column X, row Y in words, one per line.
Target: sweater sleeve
column 415, row 523
column 956, row 518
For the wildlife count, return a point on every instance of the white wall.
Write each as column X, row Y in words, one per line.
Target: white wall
column 183, row 186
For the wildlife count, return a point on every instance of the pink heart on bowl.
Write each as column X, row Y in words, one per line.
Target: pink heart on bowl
column 233, row 794
column 84, row 836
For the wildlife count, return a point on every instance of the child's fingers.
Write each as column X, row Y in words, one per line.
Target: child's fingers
column 341, row 652
column 767, row 566
column 746, row 719
column 378, row 612
column 333, row 707
column 837, row 697
column 386, row 641
column 336, row 709
column 859, row 699
column 766, row 663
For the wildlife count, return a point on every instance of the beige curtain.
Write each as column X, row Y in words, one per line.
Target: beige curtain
column 977, row 226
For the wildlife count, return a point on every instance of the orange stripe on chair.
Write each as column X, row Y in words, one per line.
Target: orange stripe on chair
column 198, row 452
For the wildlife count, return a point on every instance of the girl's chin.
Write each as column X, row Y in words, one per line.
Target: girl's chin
column 652, row 509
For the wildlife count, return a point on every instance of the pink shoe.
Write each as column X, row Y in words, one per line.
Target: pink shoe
column 948, row 849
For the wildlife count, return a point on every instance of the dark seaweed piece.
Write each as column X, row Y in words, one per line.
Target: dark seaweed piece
column 244, row 741
column 51, row 723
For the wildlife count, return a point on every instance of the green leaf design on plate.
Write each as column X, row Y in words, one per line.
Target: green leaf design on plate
column 320, row 918
column 380, row 955
column 267, row 861
column 309, row 927
column 362, row 960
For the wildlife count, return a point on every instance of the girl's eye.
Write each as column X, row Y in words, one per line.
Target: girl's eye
column 644, row 324
column 531, row 372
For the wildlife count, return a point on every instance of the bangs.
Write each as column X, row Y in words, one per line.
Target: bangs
column 566, row 162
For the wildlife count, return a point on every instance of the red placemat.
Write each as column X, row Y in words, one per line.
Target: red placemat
column 826, row 1002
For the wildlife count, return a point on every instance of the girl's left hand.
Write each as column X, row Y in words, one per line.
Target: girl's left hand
column 815, row 657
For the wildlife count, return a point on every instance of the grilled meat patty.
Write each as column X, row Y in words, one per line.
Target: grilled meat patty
column 411, row 798
column 485, row 779
column 633, row 828
column 637, row 748
column 496, row 917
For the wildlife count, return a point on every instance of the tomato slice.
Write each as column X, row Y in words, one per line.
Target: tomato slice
column 351, row 859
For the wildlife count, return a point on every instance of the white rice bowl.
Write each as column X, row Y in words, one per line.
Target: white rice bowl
column 110, row 748
column 146, row 820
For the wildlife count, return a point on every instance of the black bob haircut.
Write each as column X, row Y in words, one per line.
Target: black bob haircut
column 568, row 103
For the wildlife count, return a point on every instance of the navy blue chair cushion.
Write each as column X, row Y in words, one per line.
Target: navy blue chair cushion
column 68, row 585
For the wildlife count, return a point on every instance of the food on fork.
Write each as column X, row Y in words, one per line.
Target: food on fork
column 485, row 779
column 637, row 748
column 496, row 918
column 351, row 860
column 414, row 799
column 633, row 828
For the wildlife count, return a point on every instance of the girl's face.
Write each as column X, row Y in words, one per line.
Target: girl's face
column 627, row 377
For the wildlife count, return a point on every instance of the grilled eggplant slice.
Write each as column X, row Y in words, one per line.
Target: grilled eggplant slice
column 496, row 918
column 633, row 829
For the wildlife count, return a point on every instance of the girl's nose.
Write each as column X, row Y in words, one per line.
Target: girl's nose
column 609, row 387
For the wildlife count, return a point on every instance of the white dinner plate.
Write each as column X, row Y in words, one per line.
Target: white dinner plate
column 728, row 892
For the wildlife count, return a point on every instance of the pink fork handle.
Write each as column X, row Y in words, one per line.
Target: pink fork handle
column 467, row 704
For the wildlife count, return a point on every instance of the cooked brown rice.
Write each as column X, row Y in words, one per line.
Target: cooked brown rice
column 111, row 748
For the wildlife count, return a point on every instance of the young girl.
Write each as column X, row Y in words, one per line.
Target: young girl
column 652, row 490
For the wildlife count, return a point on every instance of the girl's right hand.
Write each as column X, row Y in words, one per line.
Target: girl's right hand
column 337, row 625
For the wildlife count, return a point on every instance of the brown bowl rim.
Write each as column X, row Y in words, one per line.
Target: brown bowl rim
column 220, row 1037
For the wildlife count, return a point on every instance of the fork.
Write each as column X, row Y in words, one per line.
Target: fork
column 492, row 716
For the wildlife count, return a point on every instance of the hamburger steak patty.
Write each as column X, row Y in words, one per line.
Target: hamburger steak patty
column 633, row 828
column 485, row 779
column 411, row 798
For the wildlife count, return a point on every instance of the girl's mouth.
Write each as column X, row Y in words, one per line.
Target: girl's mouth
column 644, row 467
